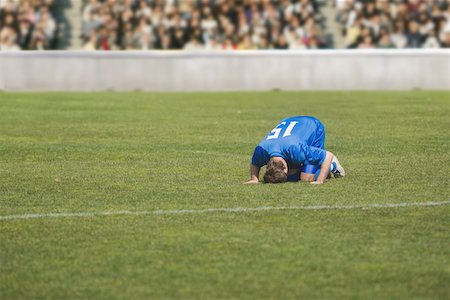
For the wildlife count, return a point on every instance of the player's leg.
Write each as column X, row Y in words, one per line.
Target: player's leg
column 310, row 172
column 319, row 142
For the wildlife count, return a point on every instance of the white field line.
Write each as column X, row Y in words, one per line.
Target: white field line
column 213, row 210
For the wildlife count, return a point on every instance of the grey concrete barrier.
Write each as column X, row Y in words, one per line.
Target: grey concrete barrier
column 226, row 71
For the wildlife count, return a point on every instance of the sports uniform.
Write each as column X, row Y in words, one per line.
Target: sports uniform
column 299, row 140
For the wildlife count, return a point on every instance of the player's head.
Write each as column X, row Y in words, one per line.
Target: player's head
column 276, row 171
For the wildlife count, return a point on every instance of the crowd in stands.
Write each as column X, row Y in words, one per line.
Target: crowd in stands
column 203, row 24
column 26, row 25
column 230, row 24
column 395, row 23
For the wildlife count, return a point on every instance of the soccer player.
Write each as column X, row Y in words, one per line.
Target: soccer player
column 295, row 150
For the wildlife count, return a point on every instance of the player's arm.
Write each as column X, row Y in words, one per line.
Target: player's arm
column 260, row 158
column 254, row 174
column 324, row 168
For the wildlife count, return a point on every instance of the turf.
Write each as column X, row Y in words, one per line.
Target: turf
column 81, row 152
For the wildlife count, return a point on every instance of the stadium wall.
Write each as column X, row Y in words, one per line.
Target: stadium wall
column 226, row 71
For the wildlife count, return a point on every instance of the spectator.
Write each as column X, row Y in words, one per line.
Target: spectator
column 39, row 41
column 281, row 43
column 212, row 44
column 385, row 41
column 193, row 45
column 246, row 43
column 91, row 44
column 398, row 37
column 446, row 40
column 228, row 44
column 25, row 33
column 413, row 37
column 431, row 41
column 366, row 43
column 8, row 44
column 103, row 39
column 353, row 32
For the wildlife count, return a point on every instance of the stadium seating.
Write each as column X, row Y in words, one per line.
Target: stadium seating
column 395, row 23
column 226, row 24
column 202, row 24
column 27, row 25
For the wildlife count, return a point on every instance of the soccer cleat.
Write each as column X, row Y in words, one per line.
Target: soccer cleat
column 338, row 170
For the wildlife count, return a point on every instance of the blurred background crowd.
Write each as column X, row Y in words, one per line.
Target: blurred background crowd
column 395, row 23
column 27, row 25
column 228, row 24
column 203, row 24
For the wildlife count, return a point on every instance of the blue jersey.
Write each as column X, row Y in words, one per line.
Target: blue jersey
column 298, row 140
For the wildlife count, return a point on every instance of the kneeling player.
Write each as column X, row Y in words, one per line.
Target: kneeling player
column 295, row 150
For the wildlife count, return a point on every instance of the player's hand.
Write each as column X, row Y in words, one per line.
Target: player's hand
column 316, row 182
column 252, row 181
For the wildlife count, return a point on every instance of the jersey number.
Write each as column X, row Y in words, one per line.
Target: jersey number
column 282, row 126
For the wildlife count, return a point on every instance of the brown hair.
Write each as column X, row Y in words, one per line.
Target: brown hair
column 275, row 172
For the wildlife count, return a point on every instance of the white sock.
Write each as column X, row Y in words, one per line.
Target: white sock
column 333, row 167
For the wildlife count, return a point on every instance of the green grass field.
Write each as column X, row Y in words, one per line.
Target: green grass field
column 80, row 153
